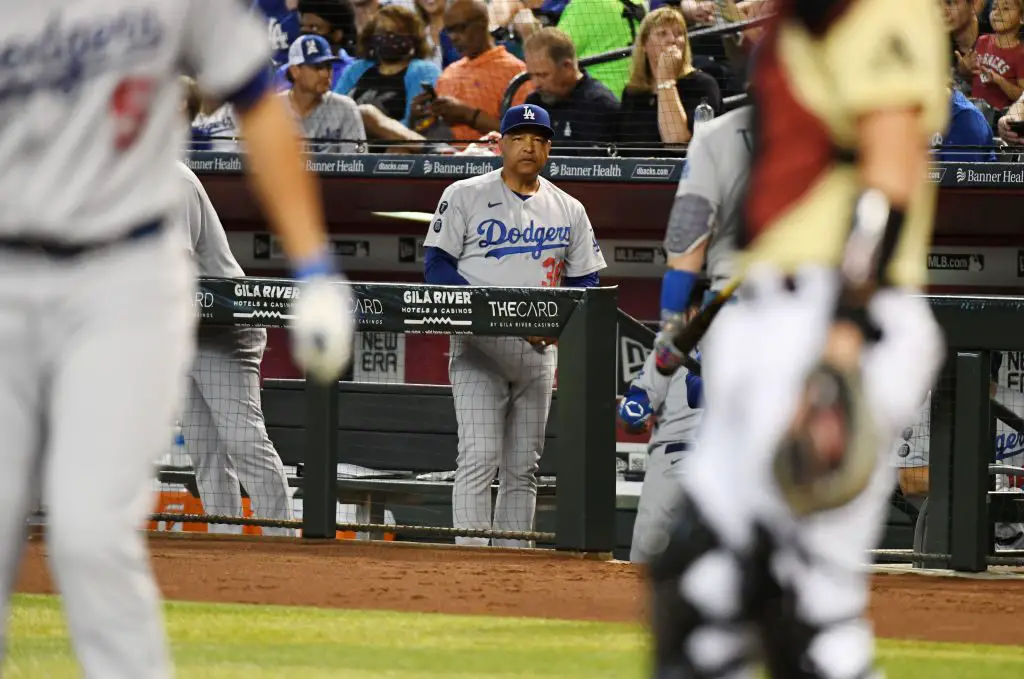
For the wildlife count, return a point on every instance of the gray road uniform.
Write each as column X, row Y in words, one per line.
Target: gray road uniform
column 912, row 450
column 222, row 422
column 709, row 198
column 96, row 322
column 673, row 434
column 502, row 385
column 336, row 117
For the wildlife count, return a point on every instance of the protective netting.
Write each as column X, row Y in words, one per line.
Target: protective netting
column 456, row 463
column 430, row 75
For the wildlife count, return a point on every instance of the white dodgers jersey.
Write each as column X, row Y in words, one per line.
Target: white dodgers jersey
column 499, row 238
column 91, row 119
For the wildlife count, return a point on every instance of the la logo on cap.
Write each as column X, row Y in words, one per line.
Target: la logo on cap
column 528, row 113
column 311, row 47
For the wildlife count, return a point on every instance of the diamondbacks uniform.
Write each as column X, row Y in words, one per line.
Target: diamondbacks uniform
column 502, row 385
column 337, row 117
column 96, row 324
column 225, row 434
column 819, row 67
column 709, row 200
column 674, row 432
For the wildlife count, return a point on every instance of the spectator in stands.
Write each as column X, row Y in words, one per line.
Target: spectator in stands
column 967, row 127
column 332, row 20
column 442, row 51
column 366, row 10
column 664, row 88
column 598, row 26
column 998, row 59
column 1014, row 118
column 470, row 90
column 523, row 18
column 332, row 119
column 215, row 128
column 283, row 26
column 962, row 24
column 582, row 108
column 393, row 66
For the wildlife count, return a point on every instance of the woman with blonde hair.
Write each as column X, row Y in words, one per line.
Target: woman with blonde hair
column 664, row 88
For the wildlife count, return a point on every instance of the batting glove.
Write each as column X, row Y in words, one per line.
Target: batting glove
column 635, row 411
column 322, row 324
column 667, row 357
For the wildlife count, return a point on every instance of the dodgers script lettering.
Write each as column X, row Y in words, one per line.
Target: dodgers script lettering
column 534, row 239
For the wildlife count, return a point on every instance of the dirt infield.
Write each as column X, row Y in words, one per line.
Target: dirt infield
column 345, row 574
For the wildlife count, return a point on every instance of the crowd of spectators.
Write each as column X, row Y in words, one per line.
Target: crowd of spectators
column 432, row 74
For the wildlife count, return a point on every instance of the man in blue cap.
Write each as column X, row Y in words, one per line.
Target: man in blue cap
column 509, row 227
column 331, row 120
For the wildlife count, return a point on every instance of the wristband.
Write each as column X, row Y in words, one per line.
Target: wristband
column 316, row 266
column 676, row 288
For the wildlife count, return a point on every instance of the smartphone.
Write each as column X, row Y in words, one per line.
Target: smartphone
column 429, row 89
column 1017, row 126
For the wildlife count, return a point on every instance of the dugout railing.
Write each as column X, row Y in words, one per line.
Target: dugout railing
column 962, row 503
column 329, row 428
column 318, row 427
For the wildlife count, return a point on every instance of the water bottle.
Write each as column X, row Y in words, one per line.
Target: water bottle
column 179, row 458
column 703, row 113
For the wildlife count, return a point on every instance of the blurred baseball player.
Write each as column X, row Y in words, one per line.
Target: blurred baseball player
column 825, row 357
column 222, row 422
column 96, row 323
column 705, row 219
column 512, row 228
column 670, row 407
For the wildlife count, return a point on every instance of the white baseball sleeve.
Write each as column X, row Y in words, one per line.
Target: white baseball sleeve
column 584, row 255
column 697, row 201
column 449, row 226
column 225, row 46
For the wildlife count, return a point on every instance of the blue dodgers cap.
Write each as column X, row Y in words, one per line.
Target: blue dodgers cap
column 309, row 50
column 527, row 115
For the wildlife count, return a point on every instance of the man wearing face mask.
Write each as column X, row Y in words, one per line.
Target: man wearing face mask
column 583, row 110
column 393, row 66
column 323, row 115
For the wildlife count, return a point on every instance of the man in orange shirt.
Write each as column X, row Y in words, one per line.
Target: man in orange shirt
column 470, row 90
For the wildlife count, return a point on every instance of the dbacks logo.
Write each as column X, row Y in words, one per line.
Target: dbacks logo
column 532, row 240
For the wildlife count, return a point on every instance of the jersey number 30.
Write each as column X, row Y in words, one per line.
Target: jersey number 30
column 553, row 269
column 129, row 107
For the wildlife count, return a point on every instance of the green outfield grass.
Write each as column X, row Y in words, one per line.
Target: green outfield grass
column 261, row 642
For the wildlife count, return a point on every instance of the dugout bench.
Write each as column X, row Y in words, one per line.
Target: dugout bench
column 394, row 433
column 400, row 431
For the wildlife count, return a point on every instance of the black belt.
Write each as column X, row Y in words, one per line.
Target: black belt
column 677, row 447
column 60, row 250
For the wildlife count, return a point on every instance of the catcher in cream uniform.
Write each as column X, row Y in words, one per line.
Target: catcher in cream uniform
column 513, row 228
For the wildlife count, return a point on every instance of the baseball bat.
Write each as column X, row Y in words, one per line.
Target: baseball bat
column 687, row 336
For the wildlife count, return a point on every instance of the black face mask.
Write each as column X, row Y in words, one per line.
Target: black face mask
column 389, row 47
